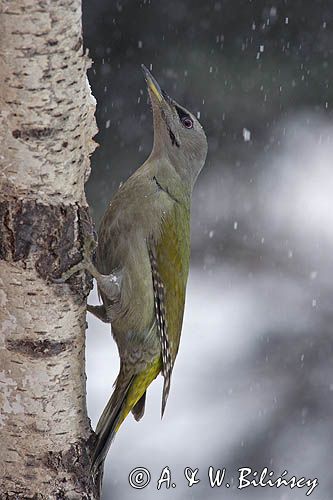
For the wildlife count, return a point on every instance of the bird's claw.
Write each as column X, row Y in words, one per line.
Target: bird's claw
column 85, row 264
column 67, row 274
column 89, row 247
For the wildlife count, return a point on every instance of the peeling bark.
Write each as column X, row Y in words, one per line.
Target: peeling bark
column 46, row 129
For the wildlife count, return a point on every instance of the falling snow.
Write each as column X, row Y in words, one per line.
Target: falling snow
column 246, row 135
column 261, row 234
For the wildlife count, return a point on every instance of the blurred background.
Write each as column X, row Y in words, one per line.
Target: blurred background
column 253, row 382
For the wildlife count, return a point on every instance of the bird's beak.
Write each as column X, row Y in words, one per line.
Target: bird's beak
column 152, row 85
column 163, row 106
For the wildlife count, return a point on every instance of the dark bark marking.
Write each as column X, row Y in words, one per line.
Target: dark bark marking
column 76, row 461
column 38, row 348
column 78, row 44
column 35, row 133
column 52, row 234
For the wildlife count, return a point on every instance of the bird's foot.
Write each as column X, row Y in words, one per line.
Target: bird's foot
column 108, row 284
column 85, row 264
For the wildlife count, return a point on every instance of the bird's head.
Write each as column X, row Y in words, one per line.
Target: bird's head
column 178, row 135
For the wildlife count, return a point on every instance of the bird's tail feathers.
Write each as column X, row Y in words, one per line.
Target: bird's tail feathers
column 128, row 395
column 108, row 422
column 139, row 408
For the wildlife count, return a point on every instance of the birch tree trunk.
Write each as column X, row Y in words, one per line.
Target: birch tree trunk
column 46, row 129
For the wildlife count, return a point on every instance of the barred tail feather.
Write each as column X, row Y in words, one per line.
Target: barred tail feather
column 166, row 390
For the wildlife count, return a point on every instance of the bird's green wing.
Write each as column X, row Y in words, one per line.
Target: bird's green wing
column 170, row 257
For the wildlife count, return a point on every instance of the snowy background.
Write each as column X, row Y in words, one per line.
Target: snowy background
column 253, row 382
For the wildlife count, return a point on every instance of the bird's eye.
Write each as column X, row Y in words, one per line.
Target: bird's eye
column 187, row 122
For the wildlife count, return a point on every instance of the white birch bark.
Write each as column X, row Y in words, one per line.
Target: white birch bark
column 46, row 129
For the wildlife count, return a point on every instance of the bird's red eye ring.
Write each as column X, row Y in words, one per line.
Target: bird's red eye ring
column 187, row 122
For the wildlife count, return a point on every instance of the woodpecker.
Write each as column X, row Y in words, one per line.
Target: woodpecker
column 142, row 262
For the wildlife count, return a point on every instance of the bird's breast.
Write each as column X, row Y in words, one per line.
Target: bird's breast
column 125, row 242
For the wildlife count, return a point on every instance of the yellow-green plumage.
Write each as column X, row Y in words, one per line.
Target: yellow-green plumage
column 173, row 260
column 138, row 387
column 173, row 257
